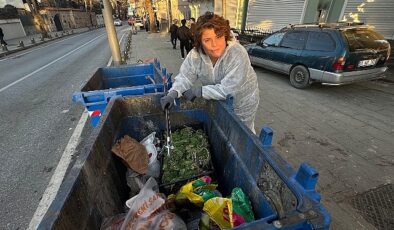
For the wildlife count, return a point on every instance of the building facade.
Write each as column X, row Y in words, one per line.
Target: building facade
column 199, row 7
column 377, row 13
column 276, row 14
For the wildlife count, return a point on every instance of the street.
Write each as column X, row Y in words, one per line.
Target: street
column 37, row 116
column 345, row 132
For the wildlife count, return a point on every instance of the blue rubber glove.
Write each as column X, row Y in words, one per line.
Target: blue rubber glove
column 193, row 93
column 169, row 100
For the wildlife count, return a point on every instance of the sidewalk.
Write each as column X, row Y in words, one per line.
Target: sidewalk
column 14, row 44
column 146, row 45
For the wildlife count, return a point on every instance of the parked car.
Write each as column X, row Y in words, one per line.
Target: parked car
column 331, row 54
column 117, row 22
column 138, row 23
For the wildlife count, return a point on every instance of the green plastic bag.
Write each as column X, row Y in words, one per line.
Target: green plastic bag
column 241, row 205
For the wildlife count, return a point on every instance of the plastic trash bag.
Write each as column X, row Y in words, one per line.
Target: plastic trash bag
column 241, row 206
column 228, row 213
column 219, row 209
column 149, row 210
column 198, row 191
column 135, row 181
column 154, row 164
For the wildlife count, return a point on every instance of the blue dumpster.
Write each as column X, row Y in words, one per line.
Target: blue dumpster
column 136, row 79
column 95, row 187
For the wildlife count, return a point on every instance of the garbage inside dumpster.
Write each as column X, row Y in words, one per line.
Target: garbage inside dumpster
column 149, row 210
column 190, row 156
column 224, row 212
column 132, row 153
column 230, row 212
column 197, row 191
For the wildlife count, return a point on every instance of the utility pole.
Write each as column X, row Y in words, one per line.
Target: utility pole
column 169, row 14
column 111, row 32
column 244, row 15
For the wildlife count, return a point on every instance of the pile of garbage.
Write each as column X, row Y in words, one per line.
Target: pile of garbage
column 190, row 156
column 196, row 205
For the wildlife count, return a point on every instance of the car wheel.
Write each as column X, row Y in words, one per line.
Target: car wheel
column 299, row 77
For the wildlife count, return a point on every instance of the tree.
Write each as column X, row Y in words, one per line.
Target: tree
column 97, row 8
column 9, row 11
column 37, row 17
column 148, row 6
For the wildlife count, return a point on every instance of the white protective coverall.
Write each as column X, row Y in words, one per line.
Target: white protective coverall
column 231, row 75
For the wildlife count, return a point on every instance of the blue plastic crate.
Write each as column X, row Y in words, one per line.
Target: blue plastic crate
column 136, row 79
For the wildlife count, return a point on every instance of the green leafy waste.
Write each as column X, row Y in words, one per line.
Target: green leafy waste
column 189, row 157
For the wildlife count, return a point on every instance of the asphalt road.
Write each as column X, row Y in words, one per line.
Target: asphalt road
column 37, row 116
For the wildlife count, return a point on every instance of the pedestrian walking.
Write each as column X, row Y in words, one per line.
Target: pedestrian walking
column 173, row 32
column 223, row 68
column 184, row 36
column 146, row 23
column 131, row 22
column 2, row 42
column 157, row 25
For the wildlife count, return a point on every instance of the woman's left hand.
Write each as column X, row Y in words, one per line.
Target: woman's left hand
column 193, row 93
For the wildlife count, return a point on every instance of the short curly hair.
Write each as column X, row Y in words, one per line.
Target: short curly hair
column 213, row 21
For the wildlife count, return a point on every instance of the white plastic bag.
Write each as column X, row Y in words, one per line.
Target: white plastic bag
column 154, row 164
column 149, row 211
column 135, row 181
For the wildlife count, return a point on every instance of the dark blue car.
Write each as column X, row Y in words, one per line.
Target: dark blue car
column 330, row 54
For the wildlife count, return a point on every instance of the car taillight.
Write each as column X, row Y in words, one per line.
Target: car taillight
column 338, row 65
column 350, row 67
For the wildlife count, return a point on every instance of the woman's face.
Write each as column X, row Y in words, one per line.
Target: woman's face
column 213, row 45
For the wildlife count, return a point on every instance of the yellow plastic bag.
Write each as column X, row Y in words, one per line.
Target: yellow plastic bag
column 187, row 191
column 220, row 210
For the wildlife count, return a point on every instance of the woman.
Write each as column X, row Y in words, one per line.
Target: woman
column 221, row 65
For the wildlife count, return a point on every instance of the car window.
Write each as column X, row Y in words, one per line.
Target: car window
column 363, row 38
column 294, row 40
column 320, row 41
column 274, row 39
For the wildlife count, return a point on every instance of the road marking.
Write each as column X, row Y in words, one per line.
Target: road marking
column 60, row 171
column 45, row 66
column 120, row 43
column 121, row 38
column 62, row 40
column 109, row 61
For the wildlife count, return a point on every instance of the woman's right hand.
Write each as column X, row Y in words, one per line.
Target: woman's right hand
column 169, row 100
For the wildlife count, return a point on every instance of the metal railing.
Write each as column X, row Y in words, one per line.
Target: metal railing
column 252, row 34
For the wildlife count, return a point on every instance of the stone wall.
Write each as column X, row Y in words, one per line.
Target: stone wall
column 12, row 28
